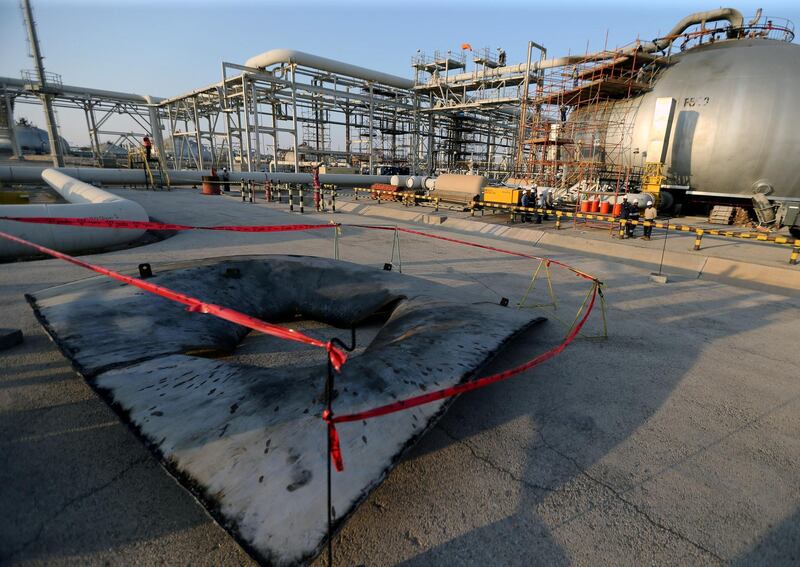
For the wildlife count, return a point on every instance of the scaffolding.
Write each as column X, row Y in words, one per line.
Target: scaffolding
column 575, row 131
column 469, row 116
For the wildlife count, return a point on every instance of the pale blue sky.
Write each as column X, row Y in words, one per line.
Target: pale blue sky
column 168, row 47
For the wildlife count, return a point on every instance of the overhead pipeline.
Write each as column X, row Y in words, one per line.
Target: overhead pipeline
column 292, row 56
column 102, row 176
column 730, row 14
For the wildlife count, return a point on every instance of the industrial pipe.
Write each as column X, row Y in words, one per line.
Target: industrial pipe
column 419, row 182
column 292, row 56
column 102, row 176
column 85, row 91
column 730, row 14
column 83, row 201
column 522, row 67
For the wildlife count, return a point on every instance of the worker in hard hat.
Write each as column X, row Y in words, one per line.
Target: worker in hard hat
column 650, row 218
column 624, row 214
column 633, row 215
column 501, row 56
column 225, row 179
column 544, row 192
column 526, row 202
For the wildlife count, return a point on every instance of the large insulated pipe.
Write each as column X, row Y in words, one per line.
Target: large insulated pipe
column 419, row 182
column 523, row 67
column 730, row 14
column 85, row 91
column 289, row 56
column 102, row 176
column 83, row 201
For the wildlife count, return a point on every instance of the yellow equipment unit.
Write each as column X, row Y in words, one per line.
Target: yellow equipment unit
column 502, row 195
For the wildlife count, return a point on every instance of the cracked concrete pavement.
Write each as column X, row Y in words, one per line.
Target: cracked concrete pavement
column 676, row 441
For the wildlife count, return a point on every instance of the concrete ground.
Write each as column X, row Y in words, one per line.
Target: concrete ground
column 675, row 441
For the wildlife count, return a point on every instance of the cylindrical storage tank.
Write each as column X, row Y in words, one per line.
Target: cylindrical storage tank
column 399, row 180
column 736, row 120
column 416, row 182
column 460, row 189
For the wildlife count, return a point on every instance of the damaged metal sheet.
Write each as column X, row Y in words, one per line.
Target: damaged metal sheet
column 248, row 440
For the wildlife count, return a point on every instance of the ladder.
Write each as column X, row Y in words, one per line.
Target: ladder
column 157, row 176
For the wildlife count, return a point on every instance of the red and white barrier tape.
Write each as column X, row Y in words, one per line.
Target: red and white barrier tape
column 336, row 355
column 481, row 246
column 141, row 225
column 429, row 397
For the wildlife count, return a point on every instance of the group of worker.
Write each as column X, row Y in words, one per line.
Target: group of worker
column 533, row 197
column 630, row 212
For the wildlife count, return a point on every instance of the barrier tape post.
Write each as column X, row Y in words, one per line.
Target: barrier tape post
column 396, row 246
column 795, row 253
column 544, row 262
column 336, row 233
column 603, row 310
column 334, row 450
column 302, row 200
column 663, row 248
column 580, row 309
column 698, row 235
column 530, row 287
column 291, row 200
column 550, row 284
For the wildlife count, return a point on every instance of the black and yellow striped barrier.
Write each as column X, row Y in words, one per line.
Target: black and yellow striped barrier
column 698, row 231
column 409, row 197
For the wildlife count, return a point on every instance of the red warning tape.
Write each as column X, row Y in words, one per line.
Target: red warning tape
column 482, row 246
column 336, row 355
column 141, row 225
column 429, row 397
